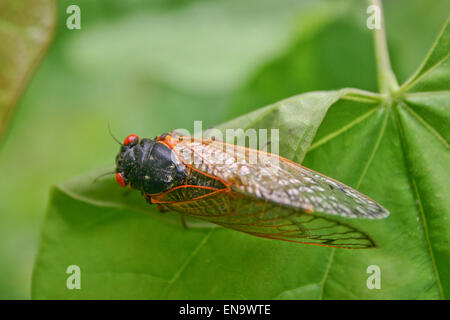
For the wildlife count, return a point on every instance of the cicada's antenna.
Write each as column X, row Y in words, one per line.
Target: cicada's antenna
column 102, row 175
column 111, row 172
column 110, row 132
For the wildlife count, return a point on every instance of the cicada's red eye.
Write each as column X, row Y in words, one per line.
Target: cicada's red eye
column 130, row 138
column 120, row 180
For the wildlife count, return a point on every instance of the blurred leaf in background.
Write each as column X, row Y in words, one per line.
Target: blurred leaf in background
column 26, row 29
column 149, row 67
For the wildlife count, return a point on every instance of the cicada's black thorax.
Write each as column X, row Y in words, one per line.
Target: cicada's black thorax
column 149, row 166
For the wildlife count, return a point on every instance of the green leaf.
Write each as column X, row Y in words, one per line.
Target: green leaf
column 434, row 73
column 423, row 119
column 393, row 147
column 25, row 33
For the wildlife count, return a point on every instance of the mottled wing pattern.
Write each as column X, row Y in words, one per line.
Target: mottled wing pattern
column 278, row 180
column 264, row 218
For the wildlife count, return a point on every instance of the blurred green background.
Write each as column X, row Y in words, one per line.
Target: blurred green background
column 148, row 67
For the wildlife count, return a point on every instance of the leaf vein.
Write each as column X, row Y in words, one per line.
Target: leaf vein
column 186, row 262
column 341, row 130
column 377, row 144
column 420, row 209
column 327, row 271
column 331, row 258
column 427, row 237
column 408, row 85
column 427, row 125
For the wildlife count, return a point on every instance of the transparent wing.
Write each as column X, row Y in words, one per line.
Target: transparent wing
column 264, row 219
column 276, row 179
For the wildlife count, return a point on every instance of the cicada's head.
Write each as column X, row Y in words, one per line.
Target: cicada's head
column 147, row 165
column 127, row 159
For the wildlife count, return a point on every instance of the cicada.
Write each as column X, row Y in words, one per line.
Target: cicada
column 247, row 190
